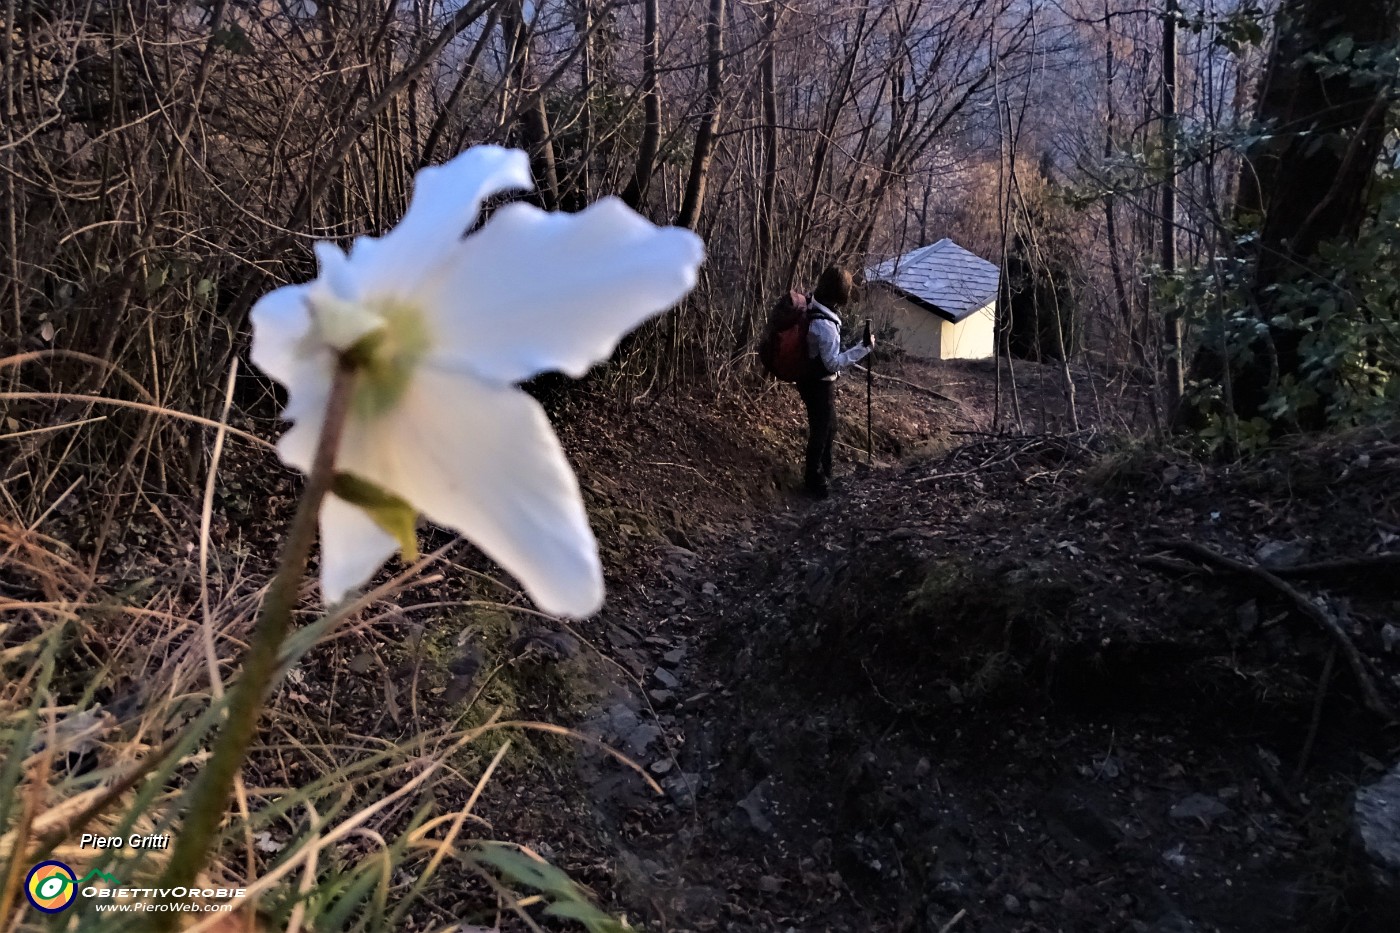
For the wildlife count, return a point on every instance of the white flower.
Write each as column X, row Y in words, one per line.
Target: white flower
column 445, row 327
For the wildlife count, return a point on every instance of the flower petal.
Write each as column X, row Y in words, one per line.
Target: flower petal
column 285, row 347
column 533, row 291
column 445, row 203
column 352, row 548
column 483, row 460
column 297, row 447
column 341, row 324
column 281, row 320
column 334, row 271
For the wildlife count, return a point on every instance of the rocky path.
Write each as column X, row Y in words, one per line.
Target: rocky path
column 953, row 697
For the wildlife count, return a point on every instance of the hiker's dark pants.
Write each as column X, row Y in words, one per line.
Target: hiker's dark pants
column 820, row 398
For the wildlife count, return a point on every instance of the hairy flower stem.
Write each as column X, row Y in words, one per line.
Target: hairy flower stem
column 209, row 797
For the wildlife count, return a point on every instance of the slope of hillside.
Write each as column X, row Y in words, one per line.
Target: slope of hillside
column 994, row 684
column 996, row 688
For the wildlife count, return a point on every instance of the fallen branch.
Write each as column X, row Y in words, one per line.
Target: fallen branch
column 1002, row 449
column 859, row 450
column 912, row 385
column 1316, row 722
column 1168, row 564
column 1303, row 604
column 1365, row 571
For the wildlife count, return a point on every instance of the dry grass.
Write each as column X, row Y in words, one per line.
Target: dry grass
column 108, row 694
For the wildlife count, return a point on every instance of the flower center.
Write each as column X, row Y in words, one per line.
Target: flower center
column 387, row 358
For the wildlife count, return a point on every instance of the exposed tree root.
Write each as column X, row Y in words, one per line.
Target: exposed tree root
column 1304, row 605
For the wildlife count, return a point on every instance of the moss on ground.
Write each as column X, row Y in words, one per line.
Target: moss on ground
column 486, row 661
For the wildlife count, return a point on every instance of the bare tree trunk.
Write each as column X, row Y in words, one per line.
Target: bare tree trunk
column 768, row 194
column 468, row 68
column 834, row 105
column 923, row 214
column 584, row 186
column 908, row 142
column 1109, row 202
column 533, row 119
column 1306, row 183
column 1308, row 193
column 1176, row 363
column 650, row 144
column 1111, row 233
column 709, row 120
column 540, row 142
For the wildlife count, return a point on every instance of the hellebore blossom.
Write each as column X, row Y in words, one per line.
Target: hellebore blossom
column 441, row 328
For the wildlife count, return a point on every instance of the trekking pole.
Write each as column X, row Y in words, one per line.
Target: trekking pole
column 869, row 394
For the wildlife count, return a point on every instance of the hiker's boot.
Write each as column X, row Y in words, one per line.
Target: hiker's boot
column 817, row 488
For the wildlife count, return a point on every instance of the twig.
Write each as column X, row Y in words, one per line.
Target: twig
column 957, row 918
column 1003, row 449
column 1308, row 743
column 1304, row 605
column 1369, row 569
column 859, row 450
column 1344, row 564
column 912, row 385
column 1170, row 565
column 1283, row 793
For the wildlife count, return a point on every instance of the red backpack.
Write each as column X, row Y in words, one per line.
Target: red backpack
column 783, row 349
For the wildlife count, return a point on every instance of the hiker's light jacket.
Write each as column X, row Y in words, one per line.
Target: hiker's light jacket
column 824, row 342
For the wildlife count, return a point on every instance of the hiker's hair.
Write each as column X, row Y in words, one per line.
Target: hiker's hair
column 834, row 287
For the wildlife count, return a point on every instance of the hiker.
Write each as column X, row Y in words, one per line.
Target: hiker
column 825, row 362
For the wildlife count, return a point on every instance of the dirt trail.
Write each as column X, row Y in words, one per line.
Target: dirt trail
column 976, row 690
column 957, row 696
column 982, row 688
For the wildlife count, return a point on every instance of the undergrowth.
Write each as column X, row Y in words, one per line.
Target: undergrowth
column 108, row 696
